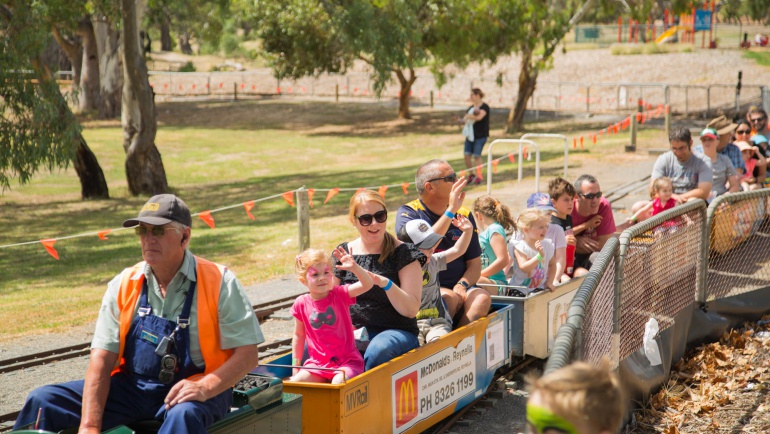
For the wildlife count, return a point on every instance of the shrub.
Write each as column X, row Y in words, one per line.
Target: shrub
column 187, row 67
column 229, row 44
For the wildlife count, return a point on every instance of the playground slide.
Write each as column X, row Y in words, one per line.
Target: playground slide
column 668, row 34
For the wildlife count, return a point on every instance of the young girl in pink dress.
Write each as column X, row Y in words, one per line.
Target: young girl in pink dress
column 661, row 192
column 322, row 318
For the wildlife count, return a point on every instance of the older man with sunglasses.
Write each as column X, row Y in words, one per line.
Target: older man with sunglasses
column 441, row 197
column 174, row 334
column 592, row 220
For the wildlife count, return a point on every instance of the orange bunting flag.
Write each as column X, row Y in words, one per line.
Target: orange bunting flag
column 405, row 187
column 48, row 244
column 310, row 193
column 639, row 117
column 494, row 166
column 478, row 172
column 206, row 217
column 512, row 157
column 289, row 197
column 248, row 206
column 593, row 139
column 644, row 117
column 462, row 174
column 103, row 234
column 526, row 157
column 333, row 192
column 616, row 128
column 581, row 143
column 382, row 190
column 574, row 143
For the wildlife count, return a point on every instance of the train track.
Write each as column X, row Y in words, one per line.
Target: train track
column 262, row 311
column 265, row 350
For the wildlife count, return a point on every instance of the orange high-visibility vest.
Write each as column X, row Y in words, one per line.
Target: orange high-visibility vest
column 209, row 281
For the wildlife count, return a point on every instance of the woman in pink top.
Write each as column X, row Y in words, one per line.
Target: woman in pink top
column 322, row 318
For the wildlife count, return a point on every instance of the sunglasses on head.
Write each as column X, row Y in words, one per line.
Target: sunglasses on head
column 366, row 219
column 742, row 131
column 156, row 231
column 590, row 196
column 449, row 178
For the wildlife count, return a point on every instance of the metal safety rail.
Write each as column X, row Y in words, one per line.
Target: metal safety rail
column 548, row 136
column 652, row 270
column 521, row 143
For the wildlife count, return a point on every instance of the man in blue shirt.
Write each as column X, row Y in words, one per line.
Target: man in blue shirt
column 441, row 197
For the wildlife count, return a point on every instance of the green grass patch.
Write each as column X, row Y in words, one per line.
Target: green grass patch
column 218, row 154
column 761, row 57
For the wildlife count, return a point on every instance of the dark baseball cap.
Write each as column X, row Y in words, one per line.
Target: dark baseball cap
column 160, row 210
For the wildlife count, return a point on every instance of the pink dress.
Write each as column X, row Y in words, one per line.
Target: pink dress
column 329, row 333
column 658, row 208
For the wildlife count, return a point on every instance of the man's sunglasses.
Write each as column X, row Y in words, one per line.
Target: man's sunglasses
column 366, row 219
column 449, row 178
column 742, row 132
column 156, row 231
column 590, row 196
column 755, row 120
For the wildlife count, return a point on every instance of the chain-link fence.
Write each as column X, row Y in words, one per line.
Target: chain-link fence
column 660, row 260
column 739, row 254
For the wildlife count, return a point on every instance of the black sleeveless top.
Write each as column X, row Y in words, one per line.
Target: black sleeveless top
column 373, row 310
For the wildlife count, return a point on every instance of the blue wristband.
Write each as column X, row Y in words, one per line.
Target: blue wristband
column 387, row 287
column 449, row 214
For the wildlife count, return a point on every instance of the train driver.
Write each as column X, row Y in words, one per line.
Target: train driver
column 174, row 334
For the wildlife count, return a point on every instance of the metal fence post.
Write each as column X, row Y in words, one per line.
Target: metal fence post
column 588, row 98
column 686, row 101
column 303, row 218
column 708, row 100
column 765, row 99
column 634, row 127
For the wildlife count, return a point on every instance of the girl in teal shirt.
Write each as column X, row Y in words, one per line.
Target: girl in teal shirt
column 495, row 225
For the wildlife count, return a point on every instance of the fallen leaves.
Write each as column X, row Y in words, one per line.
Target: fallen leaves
column 718, row 387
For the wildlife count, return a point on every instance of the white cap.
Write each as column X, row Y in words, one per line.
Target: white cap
column 421, row 234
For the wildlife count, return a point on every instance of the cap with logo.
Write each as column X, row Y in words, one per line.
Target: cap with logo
column 722, row 125
column 420, row 233
column 709, row 132
column 540, row 201
column 160, row 210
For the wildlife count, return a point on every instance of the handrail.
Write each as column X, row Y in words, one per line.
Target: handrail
column 520, row 142
column 552, row 136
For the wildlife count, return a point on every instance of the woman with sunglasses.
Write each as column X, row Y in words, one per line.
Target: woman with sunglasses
column 387, row 312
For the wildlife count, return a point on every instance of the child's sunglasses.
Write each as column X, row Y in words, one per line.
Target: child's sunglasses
column 366, row 219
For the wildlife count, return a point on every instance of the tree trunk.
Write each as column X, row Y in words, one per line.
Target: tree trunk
column 165, row 34
column 110, row 69
column 92, row 182
column 90, row 96
column 405, row 92
column 144, row 167
column 527, row 83
column 184, row 43
column 74, row 51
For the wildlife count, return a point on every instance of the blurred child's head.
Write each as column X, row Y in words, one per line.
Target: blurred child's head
column 562, row 194
column 639, row 205
column 662, row 188
column 577, row 399
column 747, row 151
column 313, row 268
column 420, row 233
column 533, row 224
column 492, row 208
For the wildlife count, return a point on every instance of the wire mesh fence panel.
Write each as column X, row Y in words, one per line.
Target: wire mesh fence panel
column 739, row 250
column 597, row 330
column 661, row 261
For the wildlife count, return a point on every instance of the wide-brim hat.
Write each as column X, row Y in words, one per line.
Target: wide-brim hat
column 160, row 210
column 743, row 146
column 420, row 233
column 722, row 125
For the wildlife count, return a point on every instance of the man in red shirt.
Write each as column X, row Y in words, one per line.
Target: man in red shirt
column 592, row 220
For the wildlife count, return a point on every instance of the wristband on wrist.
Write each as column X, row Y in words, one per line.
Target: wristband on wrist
column 464, row 284
column 295, row 361
column 387, row 287
column 449, row 214
column 633, row 219
column 539, row 257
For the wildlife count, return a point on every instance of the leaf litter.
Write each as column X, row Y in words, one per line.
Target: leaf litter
column 720, row 387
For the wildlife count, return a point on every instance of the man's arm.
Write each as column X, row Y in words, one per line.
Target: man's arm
column 97, row 386
column 243, row 360
column 456, row 198
column 701, row 192
column 471, row 275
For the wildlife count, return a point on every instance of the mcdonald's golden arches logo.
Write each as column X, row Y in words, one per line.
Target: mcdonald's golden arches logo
column 405, row 389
